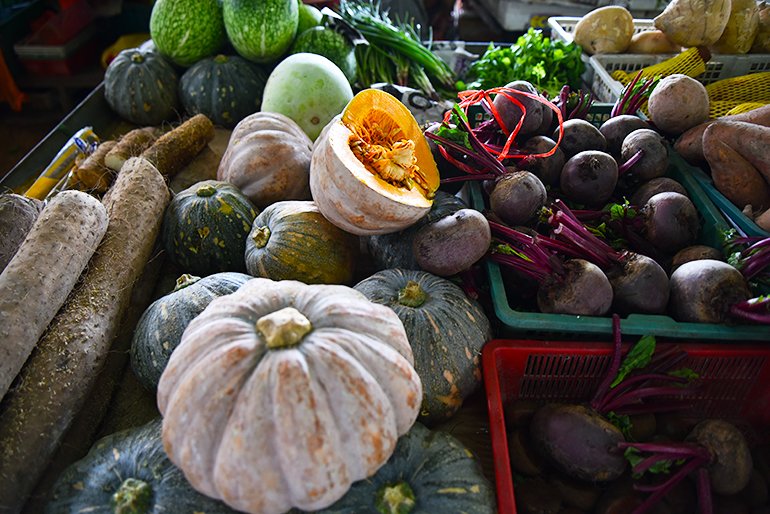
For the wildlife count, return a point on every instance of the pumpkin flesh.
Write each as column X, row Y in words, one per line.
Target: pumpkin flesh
column 372, row 171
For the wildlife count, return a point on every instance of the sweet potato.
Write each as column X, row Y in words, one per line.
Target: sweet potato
column 737, row 155
column 36, row 282
column 652, row 42
column 57, row 378
column 690, row 144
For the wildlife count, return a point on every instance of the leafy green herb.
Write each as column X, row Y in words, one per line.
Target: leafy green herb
column 638, row 357
column 545, row 63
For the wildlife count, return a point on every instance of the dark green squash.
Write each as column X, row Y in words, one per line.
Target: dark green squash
column 160, row 328
column 128, row 473
column 291, row 240
column 205, row 228
column 394, row 250
column 430, row 472
column 141, row 87
column 446, row 330
column 226, row 88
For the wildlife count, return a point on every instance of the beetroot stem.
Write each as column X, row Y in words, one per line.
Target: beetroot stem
column 640, row 394
column 703, row 486
column 755, row 309
column 623, row 168
column 617, row 356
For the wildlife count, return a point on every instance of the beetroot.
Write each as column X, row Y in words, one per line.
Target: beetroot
column 639, row 285
column 649, row 154
column 517, row 197
column 579, row 136
column 582, row 289
column 616, row 129
column 705, row 290
column 547, row 169
column 654, row 186
column 511, row 113
column 589, row 177
column 695, row 253
column 670, row 222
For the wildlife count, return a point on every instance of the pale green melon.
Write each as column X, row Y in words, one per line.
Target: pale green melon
column 309, row 16
column 308, row 88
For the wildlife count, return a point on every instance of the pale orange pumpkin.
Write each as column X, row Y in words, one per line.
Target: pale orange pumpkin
column 268, row 159
column 283, row 394
column 372, row 171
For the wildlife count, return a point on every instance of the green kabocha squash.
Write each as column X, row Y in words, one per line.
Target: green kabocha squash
column 128, row 473
column 430, row 472
column 394, row 250
column 291, row 240
column 446, row 330
column 205, row 228
column 141, row 87
column 160, row 328
column 224, row 88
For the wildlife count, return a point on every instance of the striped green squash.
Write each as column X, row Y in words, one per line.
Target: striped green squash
column 261, row 30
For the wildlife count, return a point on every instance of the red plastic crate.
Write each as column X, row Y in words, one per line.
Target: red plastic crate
column 735, row 386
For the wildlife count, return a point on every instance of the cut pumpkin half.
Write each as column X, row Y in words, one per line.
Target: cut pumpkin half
column 372, row 171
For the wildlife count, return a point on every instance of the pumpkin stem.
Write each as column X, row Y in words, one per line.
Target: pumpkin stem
column 206, row 190
column 412, row 295
column 395, row 499
column 133, row 497
column 137, row 58
column 261, row 236
column 283, row 328
column 221, row 58
column 185, row 281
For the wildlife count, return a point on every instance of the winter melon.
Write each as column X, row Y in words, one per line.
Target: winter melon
column 261, row 30
column 309, row 16
column 308, row 88
column 186, row 31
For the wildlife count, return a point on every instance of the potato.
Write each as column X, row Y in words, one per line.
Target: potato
column 761, row 43
column 652, row 42
column 694, row 22
column 741, row 28
column 606, row 30
column 678, row 103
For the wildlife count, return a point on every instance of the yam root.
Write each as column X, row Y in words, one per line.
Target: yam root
column 691, row 23
column 761, row 44
column 92, row 174
column 41, row 274
column 132, row 144
column 176, row 148
column 17, row 215
column 732, row 168
column 690, row 144
column 741, row 28
column 59, row 375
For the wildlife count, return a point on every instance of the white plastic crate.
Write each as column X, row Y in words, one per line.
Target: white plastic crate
column 720, row 66
column 519, row 16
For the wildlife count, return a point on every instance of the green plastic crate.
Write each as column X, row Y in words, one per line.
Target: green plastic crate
column 536, row 324
column 734, row 216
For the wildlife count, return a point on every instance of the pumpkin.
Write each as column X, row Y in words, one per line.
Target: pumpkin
column 268, row 158
column 430, row 472
column 128, row 472
column 291, row 240
column 224, row 88
column 283, row 394
column 395, row 250
column 141, row 87
column 446, row 330
column 205, row 228
column 373, row 172
column 159, row 329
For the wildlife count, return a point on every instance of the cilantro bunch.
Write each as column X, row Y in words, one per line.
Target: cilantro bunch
column 547, row 64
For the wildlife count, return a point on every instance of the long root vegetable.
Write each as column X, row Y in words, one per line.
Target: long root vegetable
column 176, row 148
column 17, row 215
column 36, row 282
column 92, row 174
column 132, row 144
column 690, row 144
column 58, row 376
column 737, row 153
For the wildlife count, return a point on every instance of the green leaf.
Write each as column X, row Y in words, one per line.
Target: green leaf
column 637, row 358
column 455, row 134
column 684, row 373
column 623, row 422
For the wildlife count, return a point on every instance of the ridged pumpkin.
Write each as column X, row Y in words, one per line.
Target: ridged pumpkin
column 430, row 472
column 226, row 88
column 268, row 158
column 372, row 171
column 128, row 472
column 283, row 394
column 141, row 87
column 292, row 240
column 395, row 250
column 160, row 328
column 446, row 330
column 205, row 228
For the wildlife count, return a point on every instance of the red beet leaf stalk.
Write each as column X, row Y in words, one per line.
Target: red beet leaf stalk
column 633, row 96
column 573, row 104
column 750, row 256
